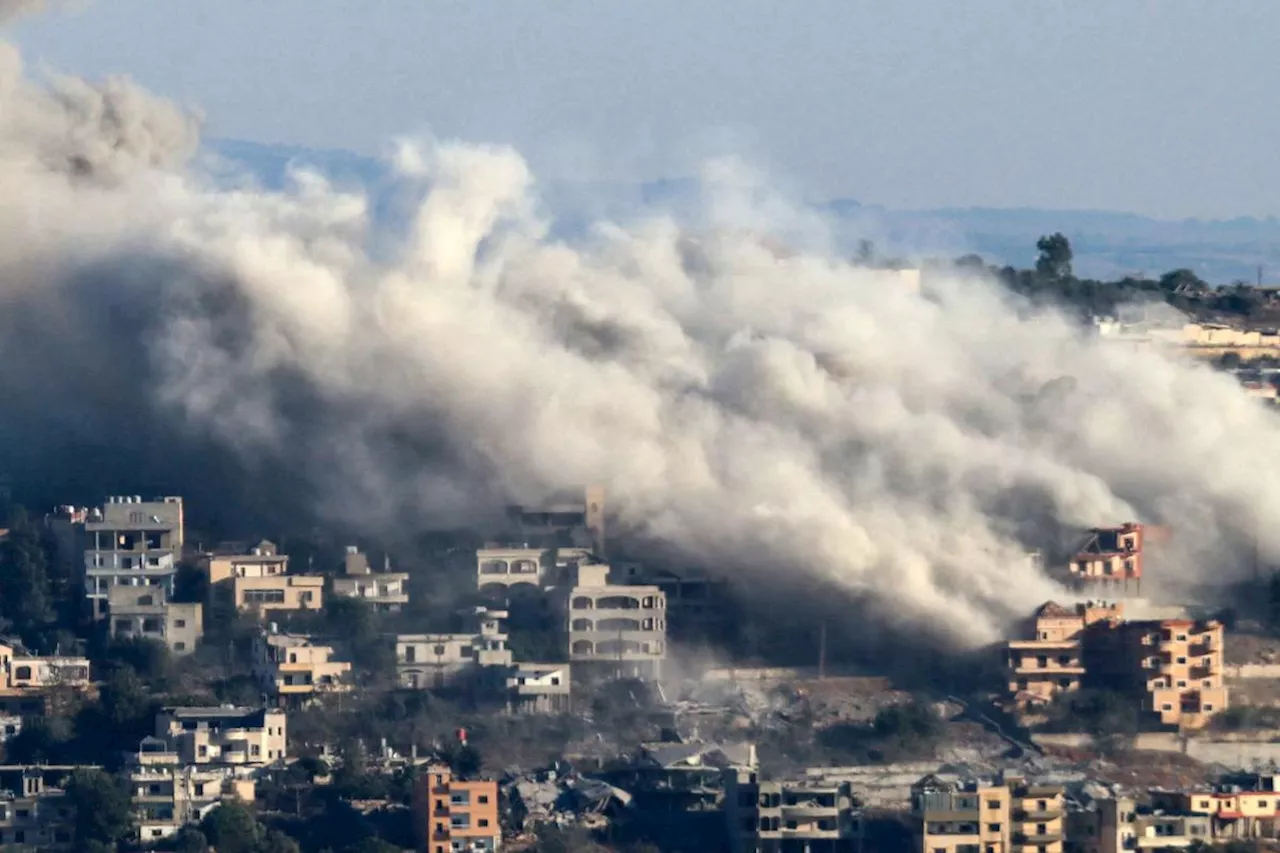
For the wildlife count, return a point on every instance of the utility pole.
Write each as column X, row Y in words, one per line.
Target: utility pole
column 822, row 650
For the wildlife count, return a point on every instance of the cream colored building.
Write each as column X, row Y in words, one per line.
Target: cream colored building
column 272, row 593
column 1051, row 661
column 145, row 612
column 262, row 561
column 22, row 672
column 615, row 627
column 424, row 661
column 251, row 737
column 505, row 568
column 386, row 591
column 1007, row 814
column 290, row 665
column 168, row 795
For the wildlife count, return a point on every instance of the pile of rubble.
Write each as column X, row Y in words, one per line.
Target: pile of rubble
column 558, row 795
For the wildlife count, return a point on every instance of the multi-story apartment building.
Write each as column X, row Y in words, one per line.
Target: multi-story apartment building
column 168, row 795
column 261, row 561
column 387, row 591
column 452, row 815
column 229, row 735
column 1051, row 661
column 291, row 666
column 1103, row 825
column 1174, row 667
column 1003, row 815
column 131, row 542
column 539, row 688
column 277, row 593
column 766, row 816
column 425, row 661
column 34, row 811
column 565, row 520
column 621, row 629
column 146, row 612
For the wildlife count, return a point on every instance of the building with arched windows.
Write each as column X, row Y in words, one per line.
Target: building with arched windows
column 614, row 628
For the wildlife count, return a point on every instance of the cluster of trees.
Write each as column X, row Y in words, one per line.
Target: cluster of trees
column 897, row 733
column 1052, row 280
column 38, row 600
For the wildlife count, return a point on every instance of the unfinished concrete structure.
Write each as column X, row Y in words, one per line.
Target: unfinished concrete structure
column 145, row 612
column 1112, row 558
column 131, row 542
column 614, row 628
column 807, row 815
column 564, row 520
column 385, row 591
column 168, row 795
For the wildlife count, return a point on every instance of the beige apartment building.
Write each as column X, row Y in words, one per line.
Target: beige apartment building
column 145, row 612
column 227, row 735
column 621, row 629
column 168, row 795
column 1051, row 661
column 1174, row 667
column 765, row 816
column 386, row 591
column 278, row 593
column 291, row 666
column 1002, row 815
column 261, row 561
column 131, row 542
column 425, row 661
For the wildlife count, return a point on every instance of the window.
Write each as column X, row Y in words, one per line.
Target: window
column 123, row 626
column 179, row 646
column 305, row 597
column 150, row 626
column 484, row 821
column 264, row 596
column 1182, row 638
column 22, row 673
column 460, row 821
column 1166, row 707
column 1208, row 707
column 483, row 799
column 1181, row 660
column 439, row 650
column 993, row 827
column 179, row 623
column 993, row 804
column 1182, row 684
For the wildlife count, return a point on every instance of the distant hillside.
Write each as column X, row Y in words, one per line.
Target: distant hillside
column 1107, row 245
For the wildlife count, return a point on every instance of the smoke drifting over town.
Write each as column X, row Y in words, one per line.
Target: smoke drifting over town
column 782, row 416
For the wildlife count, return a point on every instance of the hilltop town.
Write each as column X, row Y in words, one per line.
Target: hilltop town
column 158, row 693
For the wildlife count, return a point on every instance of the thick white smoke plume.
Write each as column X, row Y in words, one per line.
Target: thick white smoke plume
column 780, row 415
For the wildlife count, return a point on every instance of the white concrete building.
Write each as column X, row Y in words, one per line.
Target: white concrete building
column 252, row 737
column 434, row 660
column 387, row 591
column 131, row 542
column 617, row 628
column 168, row 795
column 539, row 688
column 147, row 613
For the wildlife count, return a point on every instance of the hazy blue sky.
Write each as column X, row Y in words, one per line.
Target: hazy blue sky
column 1165, row 107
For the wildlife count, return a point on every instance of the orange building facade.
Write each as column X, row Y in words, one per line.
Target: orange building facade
column 453, row 815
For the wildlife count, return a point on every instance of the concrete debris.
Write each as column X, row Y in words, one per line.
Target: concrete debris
column 564, row 798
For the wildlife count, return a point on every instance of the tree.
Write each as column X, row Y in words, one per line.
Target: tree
column 1055, row 257
column 276, row 841
column 1182, row 281
column 103, row 812
column 24, row 578
column 232, row 828
column 191, row 840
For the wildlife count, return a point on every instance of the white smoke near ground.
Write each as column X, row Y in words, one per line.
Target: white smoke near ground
column 782, row 416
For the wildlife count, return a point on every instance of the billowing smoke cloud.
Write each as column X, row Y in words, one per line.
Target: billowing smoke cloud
column 781, row 415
